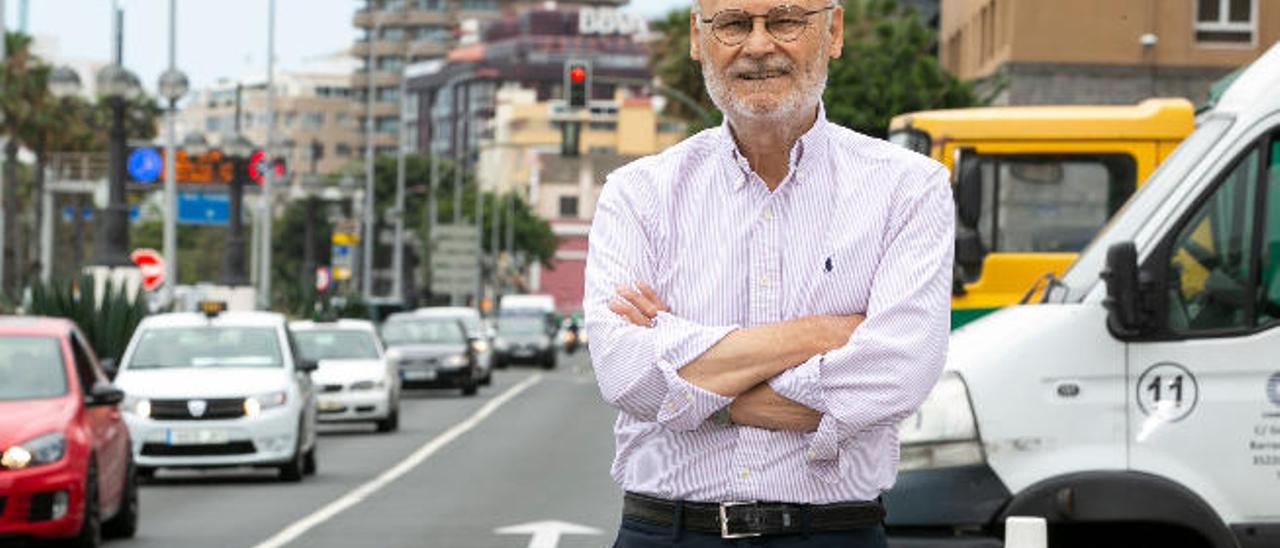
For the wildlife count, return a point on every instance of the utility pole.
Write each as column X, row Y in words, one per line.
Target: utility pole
column 397, row 254
column 268, row 174
column 4, row 53
column 366, row 269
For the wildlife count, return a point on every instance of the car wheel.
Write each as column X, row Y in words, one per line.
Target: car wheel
column 392, row 422
column 499, row 363
column 471, row 388
column 309, row 462
column 488, row 378
column 293, row 470
column 145, row 473
column 90, row 535
column 125, row 523
column 549, row 362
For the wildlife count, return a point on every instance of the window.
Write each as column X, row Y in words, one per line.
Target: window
column 32, row 368
column 568, row 207
column 393, row 34
column 478, row 5
column 387, row 124
column 388, row 94
column 1038, row 203
column 390, row 62
column 207, row 348
column 335, row 344
column 1225, row 21
column 342, row 149
column 313, row 120
column 85, row 368
column 1209, row 264
column 429, row 4
column 1269, row 308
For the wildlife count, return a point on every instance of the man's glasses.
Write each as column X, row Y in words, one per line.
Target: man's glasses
column 785, row 23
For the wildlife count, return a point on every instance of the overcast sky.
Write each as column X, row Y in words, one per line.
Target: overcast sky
column 216, row 38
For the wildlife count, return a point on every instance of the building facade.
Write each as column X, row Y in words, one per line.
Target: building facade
column 1102, row 51
column 525, row 154
column 397, row 33
column 316, row 126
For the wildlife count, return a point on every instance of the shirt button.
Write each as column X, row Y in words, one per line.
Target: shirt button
column 764, row 281
column 746, row 473
column 813, row 455
column 768, row 215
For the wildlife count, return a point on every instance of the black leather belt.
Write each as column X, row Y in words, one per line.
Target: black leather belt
column 753, row 519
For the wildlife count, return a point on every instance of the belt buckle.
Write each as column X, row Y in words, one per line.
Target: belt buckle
column 724, row 520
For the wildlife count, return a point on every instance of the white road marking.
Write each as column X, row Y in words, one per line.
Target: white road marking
column 359, row 494
column 546, row 534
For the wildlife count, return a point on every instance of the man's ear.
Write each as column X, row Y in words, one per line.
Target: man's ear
column 695, row 38
column 837, row 32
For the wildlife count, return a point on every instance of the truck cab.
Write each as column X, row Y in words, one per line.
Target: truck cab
column 1036, row 183
column 1138, row 401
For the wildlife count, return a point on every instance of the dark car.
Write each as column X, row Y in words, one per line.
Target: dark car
column 525, row 339
column 432, row 352
column 65, row 460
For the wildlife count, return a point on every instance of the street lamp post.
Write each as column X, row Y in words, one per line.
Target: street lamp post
column 173, row 85
column 111, row 241
column 268, row 174
column 63, row 83
column 239, row 149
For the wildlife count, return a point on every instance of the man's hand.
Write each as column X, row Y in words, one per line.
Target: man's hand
column 761, row 407
column 638, row 307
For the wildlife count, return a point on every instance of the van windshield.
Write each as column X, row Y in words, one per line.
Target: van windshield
column 1082, row 274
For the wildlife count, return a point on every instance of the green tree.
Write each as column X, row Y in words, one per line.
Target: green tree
column 886, row 68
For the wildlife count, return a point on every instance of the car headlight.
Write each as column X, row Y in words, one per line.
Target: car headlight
column 368, row 385
column 255, row 405
column 456, row 361
column 480, row 346
column 137, row 406
column 943, row 432
column 46, row 449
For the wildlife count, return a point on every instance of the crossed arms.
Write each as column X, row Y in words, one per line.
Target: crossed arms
column 833, row 376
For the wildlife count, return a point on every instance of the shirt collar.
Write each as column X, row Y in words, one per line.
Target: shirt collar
column 806, row 153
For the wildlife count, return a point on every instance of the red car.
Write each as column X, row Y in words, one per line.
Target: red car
column 65, row 460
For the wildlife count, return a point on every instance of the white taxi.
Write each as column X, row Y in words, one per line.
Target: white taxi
column 355, row 381
column 218, row 389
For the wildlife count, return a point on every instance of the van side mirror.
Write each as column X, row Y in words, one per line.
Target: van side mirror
column 968, row 191
column 308, row 366
column 1125, row 314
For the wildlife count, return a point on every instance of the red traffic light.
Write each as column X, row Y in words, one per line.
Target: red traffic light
column 578, row 75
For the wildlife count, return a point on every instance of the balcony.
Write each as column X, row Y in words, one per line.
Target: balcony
column 428, row 48
column 360, row 79
column 380, row 47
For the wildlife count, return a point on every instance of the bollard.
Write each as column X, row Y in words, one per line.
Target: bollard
column 1026, row 532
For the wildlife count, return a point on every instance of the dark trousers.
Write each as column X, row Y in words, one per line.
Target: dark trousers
column 639, row 534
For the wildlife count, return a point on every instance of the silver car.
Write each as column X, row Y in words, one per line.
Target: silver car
column 481, row 335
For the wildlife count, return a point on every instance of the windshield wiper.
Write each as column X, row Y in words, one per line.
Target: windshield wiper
column 1050, row 281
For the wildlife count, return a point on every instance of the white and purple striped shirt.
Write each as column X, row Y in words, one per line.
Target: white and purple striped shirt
column 859, row 226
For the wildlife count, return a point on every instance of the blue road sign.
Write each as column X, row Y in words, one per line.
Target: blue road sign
column 145, row 164
column 69, row 212
column 198, row 208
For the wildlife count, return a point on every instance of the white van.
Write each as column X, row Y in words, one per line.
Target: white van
column 1143, row 410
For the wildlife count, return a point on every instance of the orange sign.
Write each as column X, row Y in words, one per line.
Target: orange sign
column 208, row 168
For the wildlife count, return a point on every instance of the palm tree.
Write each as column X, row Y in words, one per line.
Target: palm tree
column 22, row 92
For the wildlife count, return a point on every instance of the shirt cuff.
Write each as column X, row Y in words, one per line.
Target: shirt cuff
column 677, row 343
column 823, row 453
column 802, row 384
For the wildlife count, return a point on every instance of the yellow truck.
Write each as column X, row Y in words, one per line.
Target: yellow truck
column 1034, row 184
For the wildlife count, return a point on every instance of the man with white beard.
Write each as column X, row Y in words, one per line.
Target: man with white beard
column 766, row 300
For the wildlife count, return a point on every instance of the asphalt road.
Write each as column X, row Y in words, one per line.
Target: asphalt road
column 482, row 463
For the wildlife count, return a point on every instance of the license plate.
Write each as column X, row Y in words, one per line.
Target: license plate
column 327, row 405
column 419, row 375
column 196, row 437
column 522, row 353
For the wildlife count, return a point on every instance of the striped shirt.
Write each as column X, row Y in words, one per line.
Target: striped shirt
column 858, row 226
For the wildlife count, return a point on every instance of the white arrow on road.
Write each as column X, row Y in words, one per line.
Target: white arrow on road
column 546, row 534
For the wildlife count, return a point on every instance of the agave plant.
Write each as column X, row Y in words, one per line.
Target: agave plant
column 107, row 322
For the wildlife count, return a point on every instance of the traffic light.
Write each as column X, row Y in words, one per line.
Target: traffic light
column 577, row 82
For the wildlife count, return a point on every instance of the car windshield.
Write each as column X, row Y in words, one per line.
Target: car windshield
column 336, row 344
column 398, row 332
column 31, row 368
column 512, row 326
column 207, row 347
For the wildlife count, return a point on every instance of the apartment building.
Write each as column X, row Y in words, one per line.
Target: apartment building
column 1102, row 51
column 398, row 33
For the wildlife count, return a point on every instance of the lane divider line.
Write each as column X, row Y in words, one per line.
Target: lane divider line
column 359, row 494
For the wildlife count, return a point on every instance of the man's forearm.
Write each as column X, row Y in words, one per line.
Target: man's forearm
column 761, row 407
column 750, row 356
